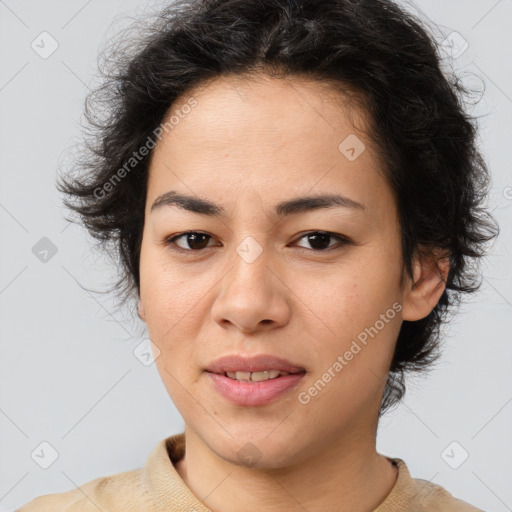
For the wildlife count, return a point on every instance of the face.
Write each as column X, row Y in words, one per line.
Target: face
column 252, row 280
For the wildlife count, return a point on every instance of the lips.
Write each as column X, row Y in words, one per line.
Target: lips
column 259, row 363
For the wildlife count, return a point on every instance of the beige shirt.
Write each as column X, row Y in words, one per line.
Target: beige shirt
column 157, row 487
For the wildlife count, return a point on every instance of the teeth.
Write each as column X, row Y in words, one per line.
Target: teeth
column 266, row 375
column 256, row 376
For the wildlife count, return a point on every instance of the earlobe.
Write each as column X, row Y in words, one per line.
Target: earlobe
column 142, row 314
column 424, row 290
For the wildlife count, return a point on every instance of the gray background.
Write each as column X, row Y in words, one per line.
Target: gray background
column 68, row 373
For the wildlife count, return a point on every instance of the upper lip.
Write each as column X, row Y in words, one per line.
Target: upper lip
column 259, row 363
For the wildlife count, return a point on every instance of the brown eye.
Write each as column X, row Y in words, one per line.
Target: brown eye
column 319, row 240
column 194, row 239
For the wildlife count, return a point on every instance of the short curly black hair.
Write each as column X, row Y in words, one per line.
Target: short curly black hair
column 378, row 50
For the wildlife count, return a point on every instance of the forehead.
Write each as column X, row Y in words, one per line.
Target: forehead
column 272, row 136
column 277, row 109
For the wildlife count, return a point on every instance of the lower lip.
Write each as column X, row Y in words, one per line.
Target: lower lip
column 254, row 393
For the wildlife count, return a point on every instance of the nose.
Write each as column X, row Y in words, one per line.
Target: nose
column 252, row 296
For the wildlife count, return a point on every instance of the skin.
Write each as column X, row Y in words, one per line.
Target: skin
column 247, row 145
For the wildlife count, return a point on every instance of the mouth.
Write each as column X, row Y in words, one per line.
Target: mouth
column 248, row 392
column 254, row 380
column 257, row 376
column 253, row 368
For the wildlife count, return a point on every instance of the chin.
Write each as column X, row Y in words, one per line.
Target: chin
column 255, row 448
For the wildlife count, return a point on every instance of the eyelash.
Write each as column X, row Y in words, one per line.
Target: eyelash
column 169, row 242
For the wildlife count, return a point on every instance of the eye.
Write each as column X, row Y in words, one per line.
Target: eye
column 198, row 241
column 320, row 240
column 195, row 240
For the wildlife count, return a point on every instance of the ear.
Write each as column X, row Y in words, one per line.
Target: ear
column 423, row 291
column 142, row 314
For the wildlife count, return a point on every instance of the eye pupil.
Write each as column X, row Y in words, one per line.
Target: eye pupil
column 195, row 237
column 319, row 241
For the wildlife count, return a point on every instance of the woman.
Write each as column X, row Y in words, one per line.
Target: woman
column 294, row 192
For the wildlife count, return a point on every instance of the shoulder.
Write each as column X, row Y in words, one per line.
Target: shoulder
column 114, row 493
column 418, row 495
column 434, row 498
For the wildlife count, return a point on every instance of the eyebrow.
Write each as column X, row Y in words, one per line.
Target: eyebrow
column 292, row 206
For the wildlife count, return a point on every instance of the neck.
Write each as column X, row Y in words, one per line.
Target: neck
column 343, row 474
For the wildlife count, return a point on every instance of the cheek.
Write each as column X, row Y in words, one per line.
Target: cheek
column 354, row 293
column 353, row 353
column 168, row 291
column 357, row 310
column 176, row 304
